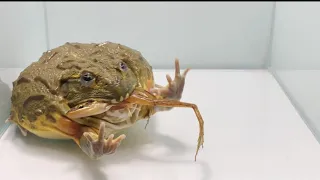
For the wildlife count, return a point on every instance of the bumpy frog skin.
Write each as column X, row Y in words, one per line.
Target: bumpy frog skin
column 88, row 92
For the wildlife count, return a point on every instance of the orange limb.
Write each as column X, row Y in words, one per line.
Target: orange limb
column 73, row 129
column 91, row 140
column 145, row 98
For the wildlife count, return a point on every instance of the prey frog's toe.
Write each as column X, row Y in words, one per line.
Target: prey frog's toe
column 95, row 146
column 175, row 87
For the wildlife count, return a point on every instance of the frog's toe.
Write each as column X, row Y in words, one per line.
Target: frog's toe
column 175, row 87
column 95, row 146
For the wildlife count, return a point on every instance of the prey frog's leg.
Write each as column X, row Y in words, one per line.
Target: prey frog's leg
column 89, row 139
column 174, row 88
column 147, row 99
column 95, row 145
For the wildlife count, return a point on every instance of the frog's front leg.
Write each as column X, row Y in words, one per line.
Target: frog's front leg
column 96, row 145
column 174, row 88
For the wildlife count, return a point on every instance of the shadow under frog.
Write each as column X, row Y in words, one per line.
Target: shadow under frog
column 137, row 136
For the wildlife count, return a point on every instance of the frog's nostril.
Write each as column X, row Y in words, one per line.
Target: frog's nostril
column 107, row 82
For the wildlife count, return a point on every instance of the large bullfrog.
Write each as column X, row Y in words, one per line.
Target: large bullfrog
column 88, row 91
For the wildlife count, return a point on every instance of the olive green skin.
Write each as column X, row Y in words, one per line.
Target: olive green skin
column 53, row 83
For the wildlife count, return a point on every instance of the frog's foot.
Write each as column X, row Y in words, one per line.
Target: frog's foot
column 95, row 146
column 175, row 87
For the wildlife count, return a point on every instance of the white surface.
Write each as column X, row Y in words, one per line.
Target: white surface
column 203, row 34
column 304, row 87
column 5, row 101
column 296, row 37
column 22, row 33
column 251, row 132
column 295, row 55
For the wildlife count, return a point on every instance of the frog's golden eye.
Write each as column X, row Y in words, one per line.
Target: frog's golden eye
column 87, row 79
column 123, row 66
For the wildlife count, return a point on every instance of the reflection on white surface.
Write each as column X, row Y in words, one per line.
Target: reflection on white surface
column 5, row 95
column 7, row 76
column 251, row 132
column 304, row 87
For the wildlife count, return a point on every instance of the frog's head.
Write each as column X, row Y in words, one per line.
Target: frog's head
column 104, row 81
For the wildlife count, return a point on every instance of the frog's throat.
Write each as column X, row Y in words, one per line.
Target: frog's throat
column 91, row 109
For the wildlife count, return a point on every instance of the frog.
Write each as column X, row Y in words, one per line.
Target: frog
column 87, row 92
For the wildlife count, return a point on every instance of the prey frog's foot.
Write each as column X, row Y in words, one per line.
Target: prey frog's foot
column 95, row 146
column 175, row 87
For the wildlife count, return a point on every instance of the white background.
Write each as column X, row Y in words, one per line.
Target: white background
column 296, row 56
column 22, row 33
column 253, row 131
column 296, row 40
column 202, row 35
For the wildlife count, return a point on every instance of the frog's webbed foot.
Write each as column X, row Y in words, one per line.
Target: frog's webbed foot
column 95, row 146
column 175, row 87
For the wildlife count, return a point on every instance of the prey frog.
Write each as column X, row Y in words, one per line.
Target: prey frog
column 87, row 92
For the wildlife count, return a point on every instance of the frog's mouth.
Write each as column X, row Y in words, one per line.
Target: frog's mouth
column 97, row 107
column 88, row 109
column 93, row 108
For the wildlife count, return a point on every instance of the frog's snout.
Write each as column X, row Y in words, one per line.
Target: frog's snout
column 88, row 109
column 122, row 98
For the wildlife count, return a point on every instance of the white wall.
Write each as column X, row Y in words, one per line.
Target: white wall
column 202, row 35
column 296, row 56
column 22, row 33
column 296, row 41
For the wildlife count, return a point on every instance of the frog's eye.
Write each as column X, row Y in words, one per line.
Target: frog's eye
column 123, row 66
column 87, row 78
